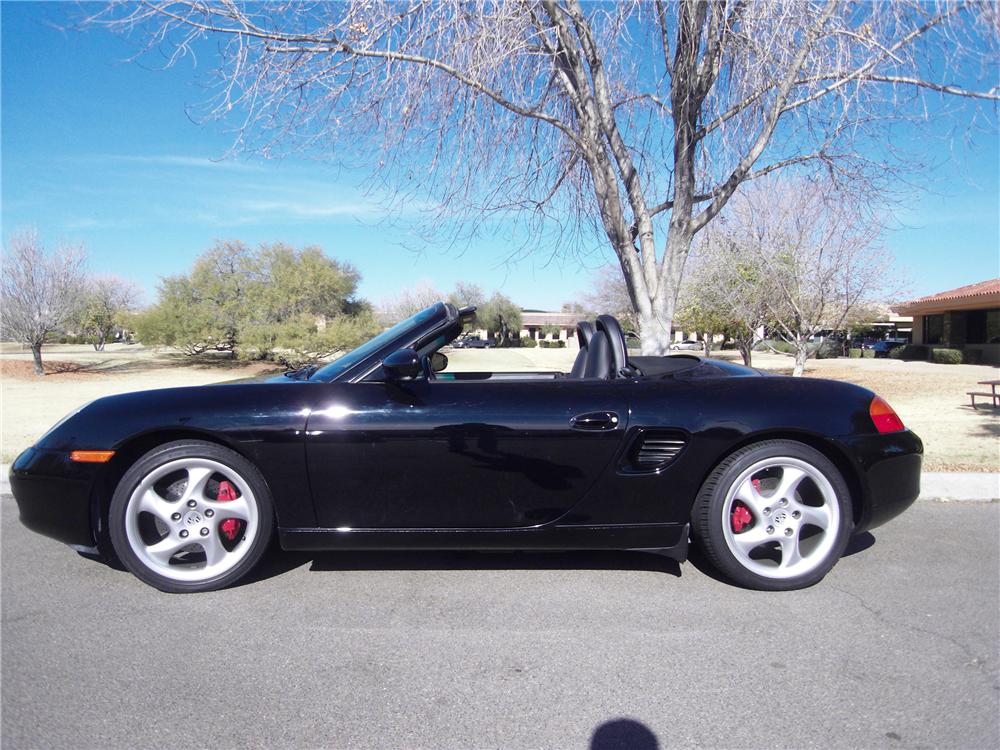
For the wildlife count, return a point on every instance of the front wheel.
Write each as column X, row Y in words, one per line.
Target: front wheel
column 774, row 516
column 191, row 516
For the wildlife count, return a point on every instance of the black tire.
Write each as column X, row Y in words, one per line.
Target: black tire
column 783, row 524
column 249, row 538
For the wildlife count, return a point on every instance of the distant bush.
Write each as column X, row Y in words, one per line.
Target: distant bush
column 776, row 345
column 855, row 354
column 868, row 353
column 946, row 356
column 529, row 343
column 829, row 350
column 909, row 351
column 560, row 344
column 71, row 338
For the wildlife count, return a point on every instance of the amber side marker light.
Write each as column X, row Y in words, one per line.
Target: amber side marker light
column 885, row 419
column 91, row 457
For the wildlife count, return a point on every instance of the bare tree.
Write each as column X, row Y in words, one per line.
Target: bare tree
column 817, row 257
column 413, row 299
column 633, row 121
column 609, row 294
column 106, row 300
column 39, row 292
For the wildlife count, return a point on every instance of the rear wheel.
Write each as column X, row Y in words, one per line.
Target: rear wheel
column 190, row 516
column 774, row 516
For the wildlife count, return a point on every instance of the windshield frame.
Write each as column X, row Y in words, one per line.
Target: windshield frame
column 356, row 363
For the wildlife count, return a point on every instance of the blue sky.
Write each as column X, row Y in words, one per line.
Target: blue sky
column 99, row 150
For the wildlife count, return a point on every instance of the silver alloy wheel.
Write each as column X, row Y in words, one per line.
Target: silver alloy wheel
column 796, row 498
column 190, row 522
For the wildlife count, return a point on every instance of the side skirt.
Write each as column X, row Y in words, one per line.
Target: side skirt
column 670, row 540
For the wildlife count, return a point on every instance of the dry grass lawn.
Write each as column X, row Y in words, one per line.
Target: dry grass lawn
column 930, row 398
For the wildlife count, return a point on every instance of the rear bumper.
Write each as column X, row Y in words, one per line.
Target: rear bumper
column 888, row 468
column 53, row 495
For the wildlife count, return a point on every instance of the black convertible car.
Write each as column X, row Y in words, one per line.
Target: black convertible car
column 385, row 448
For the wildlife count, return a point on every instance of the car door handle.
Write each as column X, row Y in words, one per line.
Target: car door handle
column 595, row 421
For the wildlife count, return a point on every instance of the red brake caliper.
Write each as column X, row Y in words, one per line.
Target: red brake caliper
column 230, row 526
column 740, row 517
column 741, row 514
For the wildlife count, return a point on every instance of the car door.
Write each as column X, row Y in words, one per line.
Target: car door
column 459, row 454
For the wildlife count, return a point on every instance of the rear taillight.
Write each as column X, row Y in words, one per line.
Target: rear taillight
column 884, row 418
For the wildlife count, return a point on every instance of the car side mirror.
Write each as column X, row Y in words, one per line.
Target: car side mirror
column 439, row 362
column 402, row 363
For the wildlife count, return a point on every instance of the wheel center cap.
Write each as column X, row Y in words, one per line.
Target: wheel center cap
column 193, row 518
column 780, row 517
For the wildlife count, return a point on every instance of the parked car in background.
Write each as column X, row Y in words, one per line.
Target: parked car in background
column 882, row 348
column 472, row 342
column 687, row 345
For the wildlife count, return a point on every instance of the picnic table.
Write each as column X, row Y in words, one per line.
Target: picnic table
column 992, row 394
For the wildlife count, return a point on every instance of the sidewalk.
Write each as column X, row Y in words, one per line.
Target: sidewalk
column 944, row 486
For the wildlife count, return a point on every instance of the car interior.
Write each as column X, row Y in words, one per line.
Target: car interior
column 603, row 355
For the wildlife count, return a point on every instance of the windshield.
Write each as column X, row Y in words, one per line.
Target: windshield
column 347, row 361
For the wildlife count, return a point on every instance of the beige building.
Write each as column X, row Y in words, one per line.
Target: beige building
column 533, row 322
column 967, row 318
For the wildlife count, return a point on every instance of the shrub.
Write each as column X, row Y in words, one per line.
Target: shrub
column 868, row 353
column 829, row 350
column 854, row 354
column 909, row 351
column 946, row 356
column 560, row 344
column 529, row 343
column 776, row 345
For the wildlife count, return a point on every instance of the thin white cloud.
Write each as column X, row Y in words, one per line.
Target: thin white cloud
column 313, row 207
column 177, row 160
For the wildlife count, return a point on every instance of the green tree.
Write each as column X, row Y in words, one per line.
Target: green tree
column 724, row 293
column 273, row 302
column 107, row 302
column 501, row 317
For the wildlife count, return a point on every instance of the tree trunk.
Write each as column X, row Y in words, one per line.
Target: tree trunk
column 36, row 352
column 706, row 343
column 746, row 352
column 801, row 355
column 654, row 330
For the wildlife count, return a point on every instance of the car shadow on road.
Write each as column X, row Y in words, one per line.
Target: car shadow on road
column 277, row 562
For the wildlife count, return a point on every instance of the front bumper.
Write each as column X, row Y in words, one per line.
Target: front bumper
column 53, row 495
column 888, row 467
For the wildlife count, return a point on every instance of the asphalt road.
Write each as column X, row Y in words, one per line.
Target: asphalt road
column 898, row 647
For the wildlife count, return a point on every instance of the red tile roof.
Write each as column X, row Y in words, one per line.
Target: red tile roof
column 968, row 293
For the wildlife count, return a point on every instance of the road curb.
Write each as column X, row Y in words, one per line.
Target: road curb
column 960, row 486
column 940, row 486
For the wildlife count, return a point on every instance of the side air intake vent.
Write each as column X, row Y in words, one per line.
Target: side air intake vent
column 656, row 449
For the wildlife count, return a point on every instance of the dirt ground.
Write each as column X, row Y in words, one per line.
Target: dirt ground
column 931, row 399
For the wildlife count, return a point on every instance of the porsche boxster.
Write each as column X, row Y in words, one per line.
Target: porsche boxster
column 386, row 448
